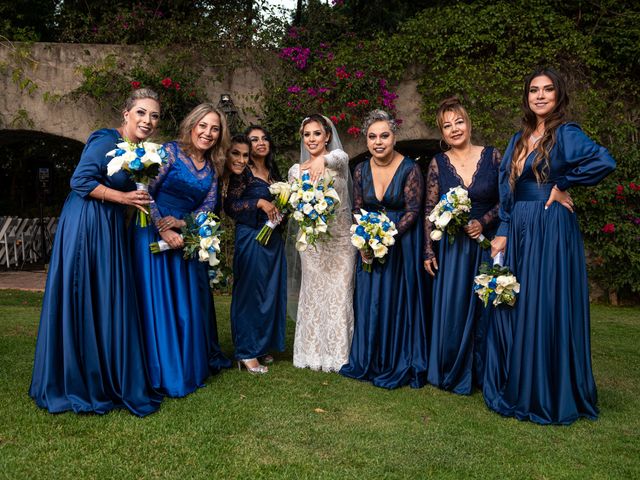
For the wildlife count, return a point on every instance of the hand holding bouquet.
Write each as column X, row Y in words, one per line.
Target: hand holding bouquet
column 373, row 234
column 281, row 192
column 496, row 284
column 313, row 207
column 142, row 161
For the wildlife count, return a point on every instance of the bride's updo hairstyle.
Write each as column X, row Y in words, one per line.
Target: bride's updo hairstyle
column 322, row 120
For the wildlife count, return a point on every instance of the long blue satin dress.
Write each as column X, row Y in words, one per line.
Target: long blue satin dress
column 391, row 307
column 90, row 353
column 259, row 303
column 458, row 324
column 176, row 304
column 538, row 360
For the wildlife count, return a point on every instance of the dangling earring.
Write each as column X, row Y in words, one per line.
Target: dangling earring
column 441, row 147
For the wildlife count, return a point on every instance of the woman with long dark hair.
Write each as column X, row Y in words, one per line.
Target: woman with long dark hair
column 259, row 302
column 538, row 362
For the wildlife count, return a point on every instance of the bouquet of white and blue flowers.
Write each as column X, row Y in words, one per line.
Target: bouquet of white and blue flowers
column 281, row 192
column 373, row 234
column 496, row 284
column 201, row 236
column 313, row 206
column 142, row 161
column 452, row 213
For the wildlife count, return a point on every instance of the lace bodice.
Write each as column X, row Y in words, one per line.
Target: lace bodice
column 402, row 201
column 181, row 188
column 483, row 191
column 243, row 194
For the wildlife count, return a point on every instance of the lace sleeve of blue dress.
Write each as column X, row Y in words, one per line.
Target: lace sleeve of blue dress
column 156, row 183
column 413, row 198
column 238, row 208
column 358, row 200
column 430, row 200
column 91, row 169
column 587, row 162
column 491, row 217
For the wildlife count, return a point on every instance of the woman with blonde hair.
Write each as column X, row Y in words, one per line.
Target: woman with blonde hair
column 175, row 301
column 90, row 352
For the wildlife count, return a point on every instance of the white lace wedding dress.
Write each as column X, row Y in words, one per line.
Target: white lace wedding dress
column 324, row 323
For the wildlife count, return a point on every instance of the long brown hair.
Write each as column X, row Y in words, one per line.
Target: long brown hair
column 529, row 124
column 216, row 154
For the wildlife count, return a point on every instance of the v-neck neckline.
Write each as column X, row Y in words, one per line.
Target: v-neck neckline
column 393, row 177
column 475, row 172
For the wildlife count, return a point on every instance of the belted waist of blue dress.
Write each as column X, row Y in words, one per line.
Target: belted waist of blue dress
column 531, row 191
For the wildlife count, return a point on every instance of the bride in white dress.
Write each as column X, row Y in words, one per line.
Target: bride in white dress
column 321, row 279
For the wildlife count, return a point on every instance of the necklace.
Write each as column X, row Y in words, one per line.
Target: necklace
column 382, row 164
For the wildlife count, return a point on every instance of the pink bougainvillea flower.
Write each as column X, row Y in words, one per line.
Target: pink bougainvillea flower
column 294, row 89
column 619, row 189
column 334, row 119
column 176, row 86
column 609, row 228
column 355, row 131
column 594, row 201
column 135, row 84
column 635, row 187
column 166, row 82
column 352, row 104
column 343, row 116
column 359, row 74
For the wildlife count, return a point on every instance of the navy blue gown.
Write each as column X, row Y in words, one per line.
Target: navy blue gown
column 459, row 320
column 176, row 305
column 391, row 307
column 259, row 303
column 538, row 360
column 89, row 353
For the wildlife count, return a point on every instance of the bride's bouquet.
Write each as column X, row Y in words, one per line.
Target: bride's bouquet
column 201, row 236
column 373, row 234
column 496, row 284
column 313, row 207
column 451, row 213
column 142, row 161
column 281, row 192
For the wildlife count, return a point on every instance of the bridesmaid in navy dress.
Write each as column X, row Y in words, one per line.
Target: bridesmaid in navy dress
column 459, row 320
column 539, row 352
column 259, row 303
column 391, row 308
column 176, row 304
column 89, row 353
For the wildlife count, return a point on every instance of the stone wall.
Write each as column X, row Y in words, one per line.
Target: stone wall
column 54, row 69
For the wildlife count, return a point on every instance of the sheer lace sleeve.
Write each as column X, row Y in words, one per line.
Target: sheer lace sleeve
column 241, row 209
column 294, row 172
column 337, row 160
column 430, row 201
column 492, row 216
column 358, row 200
column 210, row 201
column 156, row 184
column 413, row 196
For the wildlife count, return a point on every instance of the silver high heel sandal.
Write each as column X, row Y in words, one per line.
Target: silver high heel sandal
column 257, row 370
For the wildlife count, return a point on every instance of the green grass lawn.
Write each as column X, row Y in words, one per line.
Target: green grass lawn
column 296, row 423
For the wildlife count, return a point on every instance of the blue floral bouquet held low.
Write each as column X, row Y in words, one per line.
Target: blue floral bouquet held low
column 373, row 233
column 496, row 284
column 201, row 236
column 313, row 206
column 281, row 191
column 451, row 213
column 142, row 161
